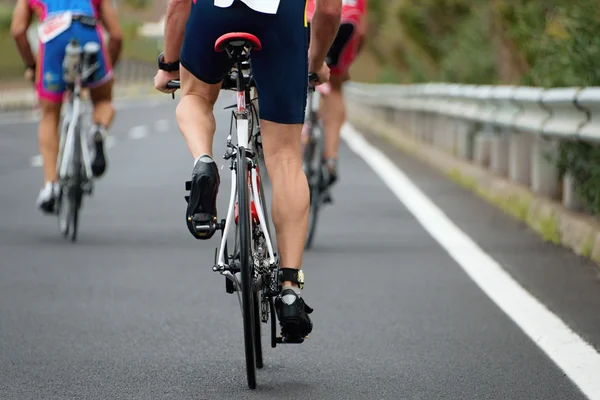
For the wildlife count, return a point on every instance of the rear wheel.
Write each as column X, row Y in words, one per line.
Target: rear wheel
column 76, row 191
column 257, row 331
column 315, row 181
column 247, row 284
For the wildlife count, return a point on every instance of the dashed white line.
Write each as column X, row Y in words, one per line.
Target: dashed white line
column 36, row 161
column 577, row 358
column 138, row 132
column 162, row 125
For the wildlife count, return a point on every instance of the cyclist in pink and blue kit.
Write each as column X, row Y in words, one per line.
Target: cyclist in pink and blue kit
column 60, row 22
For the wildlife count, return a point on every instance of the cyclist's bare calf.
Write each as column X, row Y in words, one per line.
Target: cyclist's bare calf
column 48, row 137
column 195, row 113
column 333, row 114
column 101, row 96
column 281, row 146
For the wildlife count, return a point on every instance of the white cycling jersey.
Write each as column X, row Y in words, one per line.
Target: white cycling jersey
column 263, row 6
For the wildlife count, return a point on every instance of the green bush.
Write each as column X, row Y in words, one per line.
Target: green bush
column 5, row 18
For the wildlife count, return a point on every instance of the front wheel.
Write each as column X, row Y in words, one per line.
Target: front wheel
column 246, row 270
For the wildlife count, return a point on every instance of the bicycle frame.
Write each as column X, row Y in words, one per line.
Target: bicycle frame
column 71, row 122
column 242, row 118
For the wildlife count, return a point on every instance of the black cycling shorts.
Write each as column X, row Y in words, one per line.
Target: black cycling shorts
column 342, row 39
column 280, row 68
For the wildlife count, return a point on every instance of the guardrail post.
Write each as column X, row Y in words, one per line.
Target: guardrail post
column 499, row 153
column 482, row 146
column 519, row 165
column 569, row 198
column 544, row 174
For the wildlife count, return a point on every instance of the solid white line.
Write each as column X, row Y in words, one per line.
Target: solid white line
column 578, row 360
column 36, row 161
column 138, row 132
column 162, row 125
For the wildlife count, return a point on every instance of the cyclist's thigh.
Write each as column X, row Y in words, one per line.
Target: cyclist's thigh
column 205, row 25
column 50, row 85
column 281, row 66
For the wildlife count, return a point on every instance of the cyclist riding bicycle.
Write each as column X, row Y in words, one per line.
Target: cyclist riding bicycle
column 345, row 48
column 281, row 70
column 61, row 21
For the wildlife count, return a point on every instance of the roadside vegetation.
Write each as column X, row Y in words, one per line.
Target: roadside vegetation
column 545, row 43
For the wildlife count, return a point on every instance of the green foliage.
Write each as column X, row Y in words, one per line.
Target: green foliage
column 546, row 43
column 5, row 18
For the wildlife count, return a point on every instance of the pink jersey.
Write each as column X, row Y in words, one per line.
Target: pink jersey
column 352, row 10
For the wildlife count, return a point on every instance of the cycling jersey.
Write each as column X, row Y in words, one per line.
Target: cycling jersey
column 343, row 50
column 55, row 32
column 263, row 6
column 352, row 10
column 280, row 68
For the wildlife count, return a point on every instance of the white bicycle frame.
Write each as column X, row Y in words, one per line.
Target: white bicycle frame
column 72, row 121
column 243, row 140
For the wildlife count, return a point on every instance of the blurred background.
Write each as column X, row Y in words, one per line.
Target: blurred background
column 543, row 43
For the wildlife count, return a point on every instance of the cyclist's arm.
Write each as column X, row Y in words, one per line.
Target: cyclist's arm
column 323, row 28
column 21, row 19
column 110, row 20
column 177, row 15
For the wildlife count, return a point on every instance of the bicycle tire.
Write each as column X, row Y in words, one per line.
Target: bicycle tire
column 257, row 331
column 75, row 190
column 247, row 283
column 315, row 183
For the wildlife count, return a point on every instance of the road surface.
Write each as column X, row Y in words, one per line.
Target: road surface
column 133, row 310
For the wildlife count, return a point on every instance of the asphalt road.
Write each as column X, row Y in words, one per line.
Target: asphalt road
column 133, row 310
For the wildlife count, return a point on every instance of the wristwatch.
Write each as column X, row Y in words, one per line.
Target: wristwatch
column 169, row 67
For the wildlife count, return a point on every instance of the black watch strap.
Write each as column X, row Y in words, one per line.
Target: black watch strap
column 169, row 67
column 32, row 66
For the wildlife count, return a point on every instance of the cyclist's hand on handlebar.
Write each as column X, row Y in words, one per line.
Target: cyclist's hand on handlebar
column 162, row 78
column 323, row 73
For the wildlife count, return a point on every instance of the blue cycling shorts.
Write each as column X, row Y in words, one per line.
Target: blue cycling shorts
column 280, row 68
column 50, row 84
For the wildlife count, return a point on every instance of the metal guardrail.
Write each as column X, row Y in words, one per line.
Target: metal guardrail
column 568, row 113
column 511, row 130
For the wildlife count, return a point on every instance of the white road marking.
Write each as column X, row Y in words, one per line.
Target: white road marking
column 162, row 125
column 36, row 161
column 578, row 359
column 138, row 132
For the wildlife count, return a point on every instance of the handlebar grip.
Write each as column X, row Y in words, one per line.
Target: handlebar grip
column 173, row 85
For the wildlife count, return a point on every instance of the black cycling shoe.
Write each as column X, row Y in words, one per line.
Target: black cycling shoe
column 201, row 213
column 99, row 162
column 292, row 313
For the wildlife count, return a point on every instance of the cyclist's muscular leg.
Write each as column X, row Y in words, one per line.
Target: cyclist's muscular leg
column 195, row 113
column 197, row 124
column 281, row 145
column 48, row 137
column 104, row 112
column 333, row 114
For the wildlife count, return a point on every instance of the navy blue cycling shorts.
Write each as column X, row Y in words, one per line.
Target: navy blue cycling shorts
column 280, row 68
